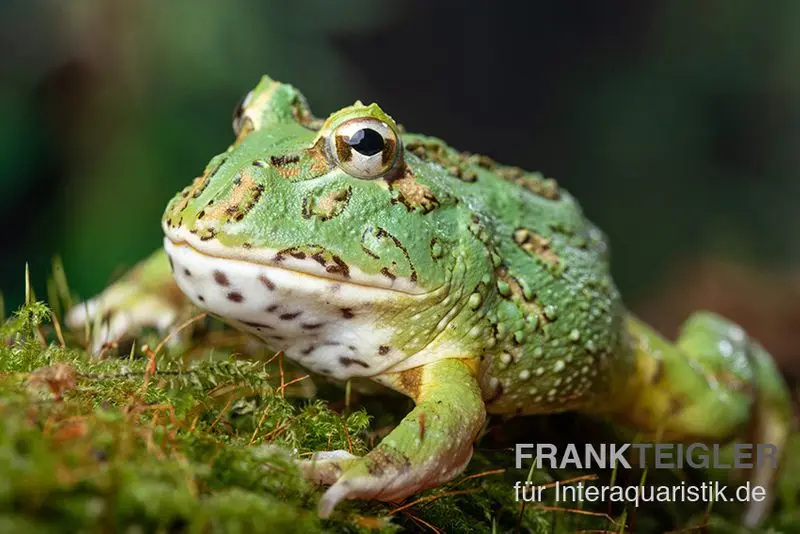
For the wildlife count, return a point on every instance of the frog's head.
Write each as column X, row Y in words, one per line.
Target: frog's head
column 302, row 225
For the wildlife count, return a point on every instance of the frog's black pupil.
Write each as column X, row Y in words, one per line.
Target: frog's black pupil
column 366, row 141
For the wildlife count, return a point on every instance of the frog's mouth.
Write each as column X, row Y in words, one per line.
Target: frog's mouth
column 315, row 266
column 333, row 327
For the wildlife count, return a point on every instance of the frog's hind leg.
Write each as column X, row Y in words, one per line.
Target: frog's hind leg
column 430, row 446
column 714, row 384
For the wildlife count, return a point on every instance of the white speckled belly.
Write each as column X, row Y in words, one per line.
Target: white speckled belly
column 326, row 325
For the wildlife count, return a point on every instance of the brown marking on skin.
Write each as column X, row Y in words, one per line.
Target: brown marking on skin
column 385, row 272
column 299, row 255
column 258, row 325
column 269, row 284
column 347, row 362
column 437, row 152
column 187, row 272
column 244, row 194
column 207, row 233
column 412, row 194
column 319, row 161
column 271, row 308
column 201, row 298
column 421, row 422
column 535, row 244
column 383, row 458
column 235, row 296
column 308, row 350
column 383, row 233
column 537, row 184
column 347, row 313
column 410, row 381
column 194, row 190
column 367, row 251
column 284, row 160
column 276, row 338
column 333, row 264
column 344, row 152
column 311, row 326
column 533, row 182
column 290, row 316
column 383, row 350
column 221, row 278
column 339, row 267
column 328, row 206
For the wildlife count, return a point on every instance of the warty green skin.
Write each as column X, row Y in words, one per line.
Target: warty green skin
column 478, row 287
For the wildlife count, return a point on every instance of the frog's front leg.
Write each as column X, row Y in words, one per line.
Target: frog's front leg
column 430, row 446
column 714, row 384
column 147, row 296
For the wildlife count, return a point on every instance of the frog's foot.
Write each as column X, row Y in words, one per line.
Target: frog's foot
column 429, row 447
column 145, row 297
column 713, row 385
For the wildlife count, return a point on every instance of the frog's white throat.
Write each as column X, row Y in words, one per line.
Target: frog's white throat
column 326, row 325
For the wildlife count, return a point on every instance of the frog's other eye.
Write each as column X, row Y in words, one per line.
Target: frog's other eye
column 364, row 148
column 239, row 120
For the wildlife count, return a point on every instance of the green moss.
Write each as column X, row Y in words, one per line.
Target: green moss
column 104, row 445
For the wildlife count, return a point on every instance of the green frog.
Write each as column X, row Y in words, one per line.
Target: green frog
column 362, row 251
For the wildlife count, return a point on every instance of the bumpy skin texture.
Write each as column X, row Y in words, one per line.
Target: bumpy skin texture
column 472, row 287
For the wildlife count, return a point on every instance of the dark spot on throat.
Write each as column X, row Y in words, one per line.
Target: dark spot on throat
column 221, row 278
column 235, row 296
column 347, row 313
column 289, row 316
column 257, row 325
column 347, row 362
column 269, row 284
column 383, row 350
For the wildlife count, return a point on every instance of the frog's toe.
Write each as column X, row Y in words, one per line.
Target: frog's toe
column 386, row 476
column 325, row 467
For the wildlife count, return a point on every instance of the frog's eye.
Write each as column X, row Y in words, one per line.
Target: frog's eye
column 239, row 119
column 365, row 148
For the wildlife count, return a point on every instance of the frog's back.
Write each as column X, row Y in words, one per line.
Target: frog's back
column 556, row 313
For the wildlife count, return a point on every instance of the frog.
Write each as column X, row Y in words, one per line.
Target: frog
column 364, row 252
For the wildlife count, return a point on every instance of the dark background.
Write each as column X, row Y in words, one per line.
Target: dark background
column 677, row 124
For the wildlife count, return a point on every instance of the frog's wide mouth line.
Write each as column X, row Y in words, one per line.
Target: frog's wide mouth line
column 266, row 258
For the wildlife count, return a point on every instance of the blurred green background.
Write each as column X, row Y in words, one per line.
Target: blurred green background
column 676, row 123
